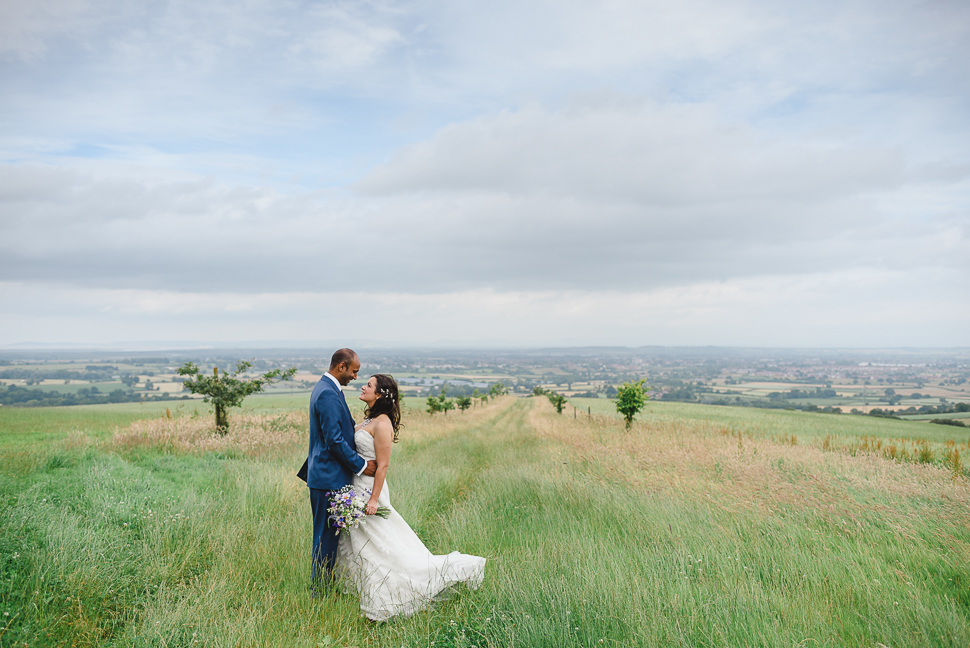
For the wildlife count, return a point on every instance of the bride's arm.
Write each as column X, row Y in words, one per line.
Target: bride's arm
column 383, row 439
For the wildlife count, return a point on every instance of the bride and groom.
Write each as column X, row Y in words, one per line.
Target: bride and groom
column 382, row 559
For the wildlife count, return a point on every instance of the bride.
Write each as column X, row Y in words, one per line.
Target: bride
column 383, row 559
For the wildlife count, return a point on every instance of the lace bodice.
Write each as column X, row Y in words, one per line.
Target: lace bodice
column 365, row 448
column 364, row 441
column 365, row 444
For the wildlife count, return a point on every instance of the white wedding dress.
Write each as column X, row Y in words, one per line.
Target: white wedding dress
column 389, row 566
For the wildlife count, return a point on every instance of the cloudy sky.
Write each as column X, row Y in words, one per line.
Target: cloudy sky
column 758, row 173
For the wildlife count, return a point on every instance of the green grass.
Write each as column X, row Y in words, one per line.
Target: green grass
column 807, row 427
column 674, row 533
column 929, row 417
column 23, row 426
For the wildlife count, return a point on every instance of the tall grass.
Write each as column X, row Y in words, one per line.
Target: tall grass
column 905, row 441
column 21, row 427
column 681, row 531
column 806, row 426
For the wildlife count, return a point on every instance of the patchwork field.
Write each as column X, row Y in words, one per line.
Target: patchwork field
column 700, row 526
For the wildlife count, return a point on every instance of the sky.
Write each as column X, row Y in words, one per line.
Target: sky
column 736, row 173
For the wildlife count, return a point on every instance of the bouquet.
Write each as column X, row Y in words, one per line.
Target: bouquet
column 347, row 508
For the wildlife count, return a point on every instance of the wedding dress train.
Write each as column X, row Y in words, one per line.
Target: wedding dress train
column 389, row 566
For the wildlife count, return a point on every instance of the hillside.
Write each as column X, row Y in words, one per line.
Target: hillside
column 701, row 526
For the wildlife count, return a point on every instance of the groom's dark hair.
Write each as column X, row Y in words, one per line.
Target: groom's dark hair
column 342, row 356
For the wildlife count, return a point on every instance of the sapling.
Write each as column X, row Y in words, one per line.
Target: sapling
column 228, row 390
column 630, row 399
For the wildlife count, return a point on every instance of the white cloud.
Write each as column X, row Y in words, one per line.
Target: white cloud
column 344, row 41
column 823, row 309
column 615, row 149
column 26, row 28
column 593, row 37
column 609, row 192
column 567, row 158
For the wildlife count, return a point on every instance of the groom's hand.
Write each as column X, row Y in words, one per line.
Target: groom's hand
column 371, row 468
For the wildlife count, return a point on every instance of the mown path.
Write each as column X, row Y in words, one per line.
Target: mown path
column 438, row 474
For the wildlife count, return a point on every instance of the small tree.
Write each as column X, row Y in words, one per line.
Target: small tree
column 498, row 389
column 228, row 390
column 538, row 390
column 434, row 405
column 630, row 399
column 558, row 401
column 447, row 405
column 463, row 402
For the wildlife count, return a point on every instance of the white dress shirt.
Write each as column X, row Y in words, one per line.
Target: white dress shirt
column 340, row 389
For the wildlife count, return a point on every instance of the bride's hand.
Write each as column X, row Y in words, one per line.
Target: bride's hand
column 371, row 507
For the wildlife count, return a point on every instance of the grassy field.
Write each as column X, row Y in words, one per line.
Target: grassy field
column 700, row 526
column 842, row 430
column 928, row 417
column 29, row 426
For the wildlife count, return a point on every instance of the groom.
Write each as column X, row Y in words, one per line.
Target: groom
column 333, row 460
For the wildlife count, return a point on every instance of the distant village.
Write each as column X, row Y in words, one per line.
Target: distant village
column 905, row 383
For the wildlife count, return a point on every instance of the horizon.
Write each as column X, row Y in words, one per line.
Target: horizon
column 270, row 349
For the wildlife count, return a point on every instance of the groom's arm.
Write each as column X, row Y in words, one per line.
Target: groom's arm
column 329, row 410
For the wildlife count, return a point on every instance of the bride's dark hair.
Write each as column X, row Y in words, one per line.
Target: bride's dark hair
column 389, row 403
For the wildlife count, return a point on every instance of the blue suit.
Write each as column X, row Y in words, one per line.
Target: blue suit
column 331, row 464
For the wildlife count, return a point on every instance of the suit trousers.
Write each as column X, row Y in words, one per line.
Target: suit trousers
column 325, row 539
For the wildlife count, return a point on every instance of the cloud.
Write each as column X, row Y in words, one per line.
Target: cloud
column 636, row 193
column 610, row 192
column 821, row 309
column 648, row 151
column 189, row 78
column 26, row 28
column 344, row 41
column 620, row 150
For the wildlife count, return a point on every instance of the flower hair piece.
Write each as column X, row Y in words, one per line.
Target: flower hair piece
column 387, row 401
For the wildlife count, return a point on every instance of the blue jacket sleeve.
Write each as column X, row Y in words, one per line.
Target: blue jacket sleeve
column 330, row 412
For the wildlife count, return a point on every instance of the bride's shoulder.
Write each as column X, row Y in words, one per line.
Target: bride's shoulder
column 382, row 419
column 382, row 422
column 375, row 423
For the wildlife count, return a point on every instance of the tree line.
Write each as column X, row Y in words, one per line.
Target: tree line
column 441, row 402
column 16, row 396
column 91, row 373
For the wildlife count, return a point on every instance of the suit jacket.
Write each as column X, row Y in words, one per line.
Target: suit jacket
column 332, row 460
